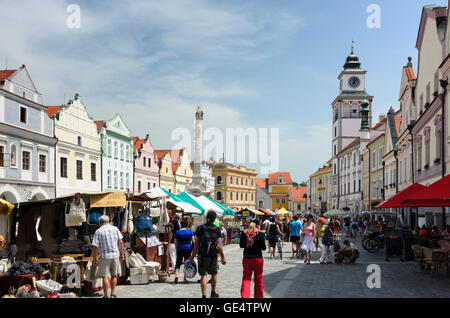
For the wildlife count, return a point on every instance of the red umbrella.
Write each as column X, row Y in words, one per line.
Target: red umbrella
column 435, row 195
column 396, row 200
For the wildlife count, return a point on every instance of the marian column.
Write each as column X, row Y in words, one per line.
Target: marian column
column 198, row 185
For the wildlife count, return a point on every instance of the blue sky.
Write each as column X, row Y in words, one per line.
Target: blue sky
column 255, row 64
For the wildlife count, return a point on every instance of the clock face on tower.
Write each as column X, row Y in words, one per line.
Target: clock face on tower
column 354, row 82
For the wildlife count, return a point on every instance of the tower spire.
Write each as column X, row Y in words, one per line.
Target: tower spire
column 353, row 45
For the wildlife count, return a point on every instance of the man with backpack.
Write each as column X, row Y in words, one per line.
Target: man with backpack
column 208, row 245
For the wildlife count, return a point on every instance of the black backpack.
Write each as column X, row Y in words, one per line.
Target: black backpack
column 208, row 242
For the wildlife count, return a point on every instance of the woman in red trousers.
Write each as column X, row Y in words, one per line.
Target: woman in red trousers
column 253, row 243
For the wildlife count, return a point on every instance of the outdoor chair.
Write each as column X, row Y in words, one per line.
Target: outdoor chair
column 418, row 256
column 444, row 244
column 432, row 261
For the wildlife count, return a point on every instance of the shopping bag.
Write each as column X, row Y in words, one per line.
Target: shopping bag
column 76, row 215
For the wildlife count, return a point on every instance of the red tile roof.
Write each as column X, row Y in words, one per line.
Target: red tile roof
column 329, row 161
column 160, row 154
column 174, row 154
column 377, row 125
column 273, row 177
column 4, row 74
column 299, row 194
column 137, row 143
column 409, row 73
column 398, row 121
column 261, row 182
column 52, row 110
column 100, row 124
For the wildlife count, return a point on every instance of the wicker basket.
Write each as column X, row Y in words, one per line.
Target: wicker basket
column 48, row 287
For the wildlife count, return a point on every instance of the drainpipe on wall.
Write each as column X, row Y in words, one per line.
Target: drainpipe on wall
column 444, row 84
column 410, row 127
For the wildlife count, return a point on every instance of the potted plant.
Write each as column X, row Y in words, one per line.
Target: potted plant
column 424, row 242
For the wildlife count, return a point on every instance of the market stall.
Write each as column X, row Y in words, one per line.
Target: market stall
column 58, row 232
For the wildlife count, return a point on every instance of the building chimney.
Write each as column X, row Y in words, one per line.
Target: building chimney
column 381, row 117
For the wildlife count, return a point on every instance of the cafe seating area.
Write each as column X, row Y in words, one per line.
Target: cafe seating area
column 434, row 259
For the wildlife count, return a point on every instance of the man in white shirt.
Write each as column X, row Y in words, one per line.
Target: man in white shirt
column 109, row 244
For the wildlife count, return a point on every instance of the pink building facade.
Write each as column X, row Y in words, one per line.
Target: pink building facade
column 146, row 170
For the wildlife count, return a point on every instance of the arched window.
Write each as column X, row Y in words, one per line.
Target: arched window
column 219, row 179
column 219, row 195
column 231, row 179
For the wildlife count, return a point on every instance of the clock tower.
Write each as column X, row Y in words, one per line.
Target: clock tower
column 346, row 113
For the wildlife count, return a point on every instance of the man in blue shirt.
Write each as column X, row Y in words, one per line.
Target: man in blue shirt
column 295, row 227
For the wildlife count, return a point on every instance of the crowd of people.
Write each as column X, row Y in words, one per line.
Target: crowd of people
column 307, row 235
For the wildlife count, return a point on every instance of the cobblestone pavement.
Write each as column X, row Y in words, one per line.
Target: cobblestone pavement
column 289, row 278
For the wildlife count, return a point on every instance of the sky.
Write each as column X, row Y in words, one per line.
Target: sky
column 258, row 64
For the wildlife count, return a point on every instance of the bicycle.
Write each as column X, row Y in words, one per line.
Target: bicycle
column 372, row 245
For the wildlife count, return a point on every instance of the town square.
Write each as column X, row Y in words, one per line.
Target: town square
column 193, row 149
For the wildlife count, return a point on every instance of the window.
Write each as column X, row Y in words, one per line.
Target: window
column 121, row 181
column 121, row 152
column 154, row 185
column 242, row 196
column 109, row 179
column 219, row 195
column 116, row 150
column 13, row 156
column 283, row 200
column 242, row 181
column 231, row 196
column 127, row 153
column 109, row 148
column 116, row 183
column 93, row 171
column 149, row 186
column 63, row 167
column 260, row 204
column 2, row 154
column 79, row 140
column 139, row 186
column 246, row 196
column 246, row 182
column 427, row 153
column 219, row 180
column 42, row 163
column 277, row 200
column 127, row 181
column 23, row 115
column 26, row 160
column 252, row 197
column 149, row 162
column 79, row 170
column 252, row 182
column 145, row 161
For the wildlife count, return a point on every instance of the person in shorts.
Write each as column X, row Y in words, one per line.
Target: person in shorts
column 273, row 233
column 208, row 245
column 295, row 227
column 184, row 239
column 109, row 244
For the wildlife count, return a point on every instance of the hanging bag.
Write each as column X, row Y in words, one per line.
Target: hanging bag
column 76, row 215
column 144, row 224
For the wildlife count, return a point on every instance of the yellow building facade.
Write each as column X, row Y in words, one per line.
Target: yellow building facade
column 78, row 151
column 235, row 186
column 321, row 189
column 166, row 176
